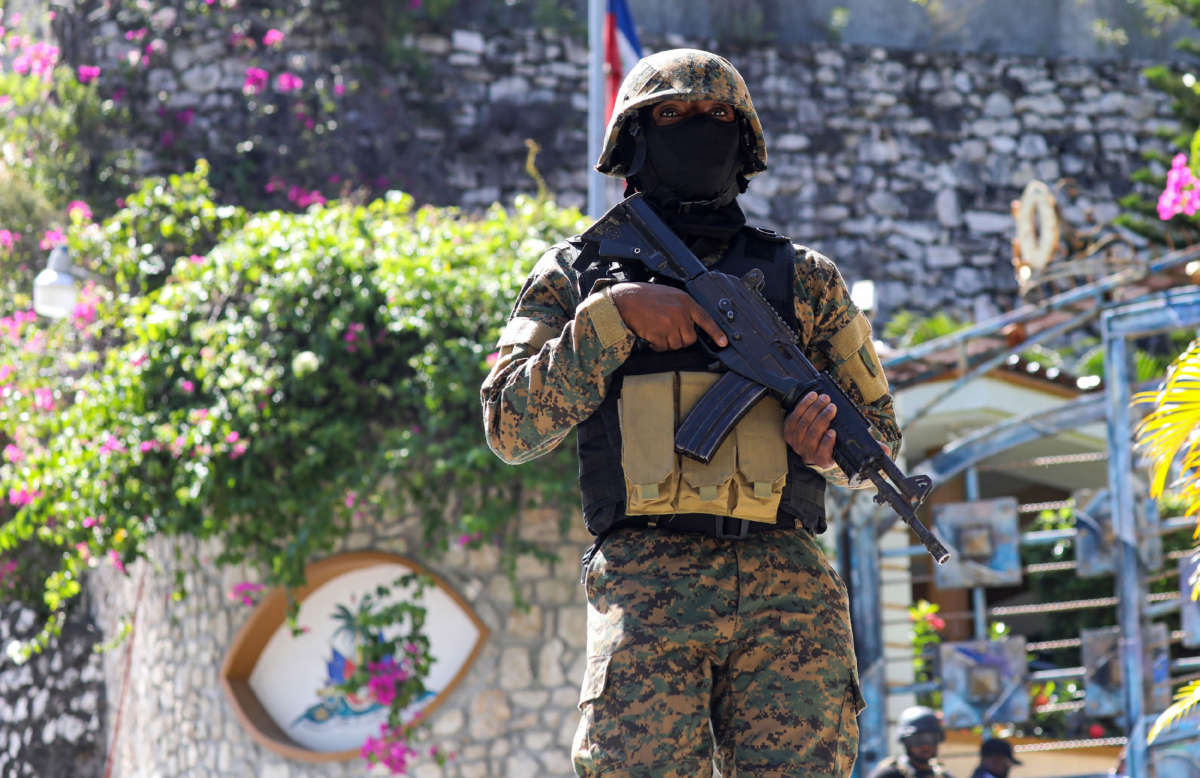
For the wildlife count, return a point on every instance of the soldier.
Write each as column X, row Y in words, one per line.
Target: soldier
column 717, row 630
column 919, row 731
column 996, row 759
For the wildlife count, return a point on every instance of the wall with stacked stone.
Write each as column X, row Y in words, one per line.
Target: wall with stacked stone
column 900, row 165
column 53, row 707
column 513, row 713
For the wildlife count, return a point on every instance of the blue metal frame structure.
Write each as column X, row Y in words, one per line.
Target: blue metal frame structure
column 1175, row 309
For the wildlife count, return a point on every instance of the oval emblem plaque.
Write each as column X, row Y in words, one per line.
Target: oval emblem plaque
column 282, row 686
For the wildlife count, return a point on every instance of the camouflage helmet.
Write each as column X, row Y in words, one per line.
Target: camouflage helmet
column 917, row 719
column 682, row 74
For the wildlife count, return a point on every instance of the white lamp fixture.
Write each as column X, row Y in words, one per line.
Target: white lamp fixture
column 862, row 294
column 55, row 288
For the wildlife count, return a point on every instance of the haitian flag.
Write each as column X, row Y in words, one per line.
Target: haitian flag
column 621, row 49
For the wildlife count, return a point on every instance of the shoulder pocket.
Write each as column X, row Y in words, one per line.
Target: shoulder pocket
column 854, row 357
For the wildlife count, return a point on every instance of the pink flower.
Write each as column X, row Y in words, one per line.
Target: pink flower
column 8, row 239
column 351, row 499
column 87, row 73
column 80, row 207
column 82, row 549
column 43, row 399
column 232, row 437
column 288, row 82
column 92, row 521
column 187, row 386
column 52, row 238
column 244, row 591
column 115, row 558
column 185, row 117
column 147, row 446
column 37, row 59
column 167, row 139
column 13, row 454
column 84, row 311
column 238, row 449
column 272, row 37
column 21, row 496
column 196, row 259
column 339, row 89
column 1181, row 193
column 490, row 359
column 135, row 35
column 256, row 80
column 111, row 444
column 138, row 360
column 383, row 689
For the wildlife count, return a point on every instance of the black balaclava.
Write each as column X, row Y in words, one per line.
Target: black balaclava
column 691, row 173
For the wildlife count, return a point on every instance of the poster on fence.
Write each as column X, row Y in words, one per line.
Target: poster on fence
column 1103, row 692
column 984, row 682
column 1189, row 608
column 1095, row 541
column 984, row 534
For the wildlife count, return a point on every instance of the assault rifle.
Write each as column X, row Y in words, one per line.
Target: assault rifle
column 762, row 357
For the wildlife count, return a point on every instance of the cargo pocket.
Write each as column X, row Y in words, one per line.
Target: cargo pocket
column 647, row 419
column 762, row 462
column 852, row 705
column 704, row 488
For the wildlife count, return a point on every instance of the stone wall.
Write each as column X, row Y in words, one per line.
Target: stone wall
column 513, row 714
column 53, row 707
column 899, row 165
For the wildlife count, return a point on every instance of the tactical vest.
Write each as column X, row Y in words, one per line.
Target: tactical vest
column 601, row 479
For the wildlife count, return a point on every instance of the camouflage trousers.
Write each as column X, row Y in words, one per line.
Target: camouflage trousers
column 704, row 651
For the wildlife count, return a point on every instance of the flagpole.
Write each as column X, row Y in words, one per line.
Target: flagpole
column 596, row 105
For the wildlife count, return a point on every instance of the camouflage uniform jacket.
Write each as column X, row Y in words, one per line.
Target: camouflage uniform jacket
column 560, row 349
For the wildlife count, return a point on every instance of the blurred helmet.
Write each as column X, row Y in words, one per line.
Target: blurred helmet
column 918, row 719
column 681, row 74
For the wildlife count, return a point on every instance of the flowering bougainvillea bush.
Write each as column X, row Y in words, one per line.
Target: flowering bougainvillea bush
column 47, row 176
column 293, row 103
column 265, row 379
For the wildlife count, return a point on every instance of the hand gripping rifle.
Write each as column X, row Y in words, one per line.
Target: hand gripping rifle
column 762, row 357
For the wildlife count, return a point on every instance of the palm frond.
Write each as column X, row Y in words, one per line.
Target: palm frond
column 1172, row 426
column 1185, row 699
